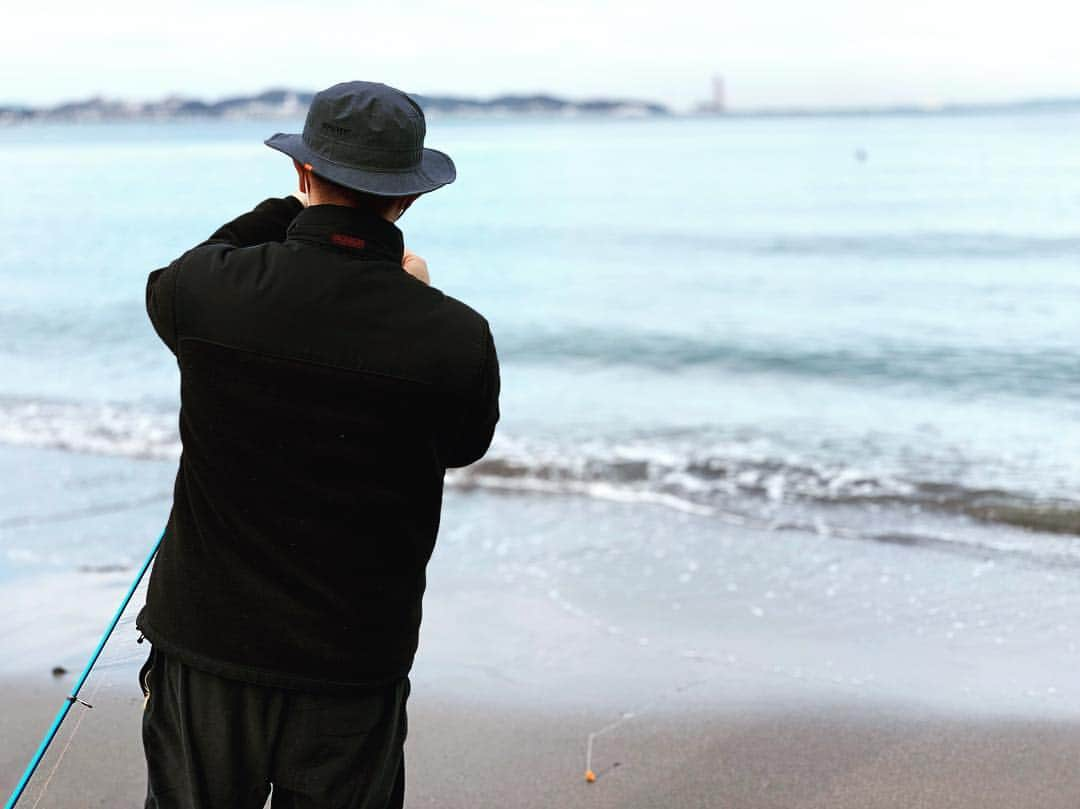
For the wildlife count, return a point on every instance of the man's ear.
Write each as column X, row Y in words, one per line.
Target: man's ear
column 301, row 176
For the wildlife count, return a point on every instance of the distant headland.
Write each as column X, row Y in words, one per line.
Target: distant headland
column 292, row 104
column 280, row 103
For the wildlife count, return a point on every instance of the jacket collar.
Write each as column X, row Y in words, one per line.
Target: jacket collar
column 357, row 232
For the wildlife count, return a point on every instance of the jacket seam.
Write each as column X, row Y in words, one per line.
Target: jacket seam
column 304, row 361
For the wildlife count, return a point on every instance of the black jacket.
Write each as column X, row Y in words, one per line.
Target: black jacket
column 324, row 391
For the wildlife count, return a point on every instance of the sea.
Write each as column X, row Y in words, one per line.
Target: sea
column 862, row 327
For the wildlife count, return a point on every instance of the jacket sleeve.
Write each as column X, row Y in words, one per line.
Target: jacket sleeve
column 161, row 302
column 268, row 222
column 474, row 423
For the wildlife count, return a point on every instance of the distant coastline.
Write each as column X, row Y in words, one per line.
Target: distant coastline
column 281, row 103
column 1026, row 106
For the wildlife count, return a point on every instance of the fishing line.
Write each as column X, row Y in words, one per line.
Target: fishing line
column 67, row 745
column 73, row 697
column 590, row 773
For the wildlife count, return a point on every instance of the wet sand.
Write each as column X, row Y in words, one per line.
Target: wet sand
column 475, row 754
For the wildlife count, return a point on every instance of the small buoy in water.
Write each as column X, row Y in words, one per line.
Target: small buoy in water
column 861, row 155
column 590, row 776
column 59, row 671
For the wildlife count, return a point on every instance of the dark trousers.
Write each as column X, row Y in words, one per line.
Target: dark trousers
column 214, row 743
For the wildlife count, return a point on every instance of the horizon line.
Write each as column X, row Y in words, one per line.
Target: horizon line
column 702, row 105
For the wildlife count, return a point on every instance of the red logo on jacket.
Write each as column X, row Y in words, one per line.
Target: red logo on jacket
column 342, row 240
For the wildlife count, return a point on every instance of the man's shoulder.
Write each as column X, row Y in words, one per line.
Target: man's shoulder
column 454, row 308
column 329, row 303
column 214, row 251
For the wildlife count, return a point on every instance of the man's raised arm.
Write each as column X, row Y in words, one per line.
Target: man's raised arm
column 267, row 222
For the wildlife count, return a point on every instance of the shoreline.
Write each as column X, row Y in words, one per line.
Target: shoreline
column 762, row 669
column 582, row 591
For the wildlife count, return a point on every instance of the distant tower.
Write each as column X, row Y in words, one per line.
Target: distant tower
column 719, row 100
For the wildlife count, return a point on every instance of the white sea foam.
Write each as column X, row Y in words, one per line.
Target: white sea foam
column 702, row 473
column 100, row 429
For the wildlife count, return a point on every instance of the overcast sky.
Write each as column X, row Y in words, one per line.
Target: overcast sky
column 771, row 52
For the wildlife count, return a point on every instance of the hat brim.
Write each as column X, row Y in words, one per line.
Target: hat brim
column 436, row 169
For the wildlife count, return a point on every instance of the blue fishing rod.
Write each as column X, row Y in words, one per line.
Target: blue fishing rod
column 73, row 697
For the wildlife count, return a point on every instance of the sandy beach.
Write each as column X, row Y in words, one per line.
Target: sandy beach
column 474, row 754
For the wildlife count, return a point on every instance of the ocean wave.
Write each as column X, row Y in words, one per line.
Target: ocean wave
column 734, row 482
column 912, row 245
column 733, row 479
column 1046, row 372
column 101, row 429
column 923, row 245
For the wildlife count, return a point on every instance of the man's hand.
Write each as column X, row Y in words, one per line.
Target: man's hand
column 415, row 266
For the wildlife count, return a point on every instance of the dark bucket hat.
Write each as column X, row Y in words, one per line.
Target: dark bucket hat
column 368, row 137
